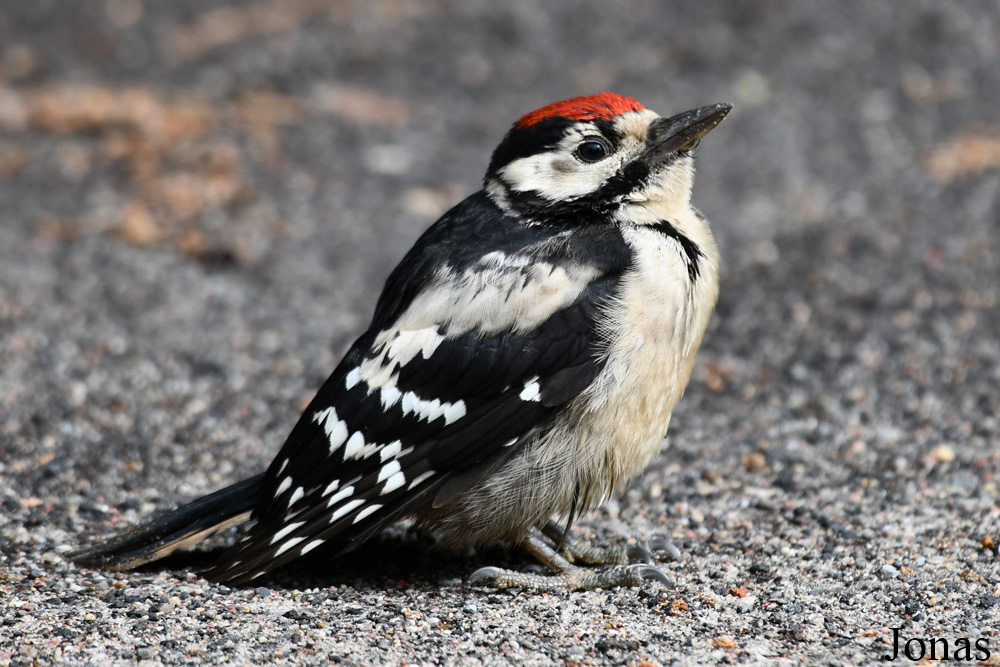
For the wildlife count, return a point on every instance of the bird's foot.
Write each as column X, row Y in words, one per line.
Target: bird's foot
column 567, row 575
column 586, row 554
column 621, row 554
column 572, row 579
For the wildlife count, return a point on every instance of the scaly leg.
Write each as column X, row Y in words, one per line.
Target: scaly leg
column 568, row 576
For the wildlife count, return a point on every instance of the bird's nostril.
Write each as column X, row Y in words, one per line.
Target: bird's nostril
column 659, row 130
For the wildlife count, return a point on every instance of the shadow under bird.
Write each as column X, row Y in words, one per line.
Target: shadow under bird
column 521, row 366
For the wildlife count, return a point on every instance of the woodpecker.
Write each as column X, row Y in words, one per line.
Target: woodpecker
column 521, row 365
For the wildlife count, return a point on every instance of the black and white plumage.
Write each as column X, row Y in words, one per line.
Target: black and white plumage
column 522, row 362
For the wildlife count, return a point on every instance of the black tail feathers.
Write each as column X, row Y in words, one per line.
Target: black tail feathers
column 181, row 528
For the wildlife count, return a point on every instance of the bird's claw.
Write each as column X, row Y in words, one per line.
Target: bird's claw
column 643, row 551
column 665, row 544
column 648, row 572
column 639, row 552
column 484, row 573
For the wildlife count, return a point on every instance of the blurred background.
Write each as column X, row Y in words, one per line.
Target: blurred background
column 199, row 201
column 187, row 185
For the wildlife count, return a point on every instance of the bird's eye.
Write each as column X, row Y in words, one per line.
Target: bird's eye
column 593, row 150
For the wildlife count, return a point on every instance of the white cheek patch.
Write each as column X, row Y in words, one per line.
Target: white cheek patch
column 558, row 175
column 552, row 176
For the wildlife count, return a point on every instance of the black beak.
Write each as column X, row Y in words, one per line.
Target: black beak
column 668, row 136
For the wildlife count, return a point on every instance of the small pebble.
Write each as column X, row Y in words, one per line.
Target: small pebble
column 943, row 454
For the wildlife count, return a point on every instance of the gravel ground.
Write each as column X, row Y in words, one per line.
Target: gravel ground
column 200, row 201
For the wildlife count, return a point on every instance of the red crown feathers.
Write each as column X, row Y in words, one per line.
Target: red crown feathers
column 603, row 106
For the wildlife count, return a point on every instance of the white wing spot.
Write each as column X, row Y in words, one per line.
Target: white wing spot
column 388, row 470
column 510, row 442
column 296, row 495
column 284, row 486
column 390, row 396
column 409, row 402
column 354, row 445
column 312, row 545
column 453, row 412
column 430, row 410
column 331, row 487
column 390, row 450
column 532, row 390
column 278, row 536
column 397, row 480
column 345, row 509
column 291, row 514
column 288, row 545
column 284, row 464
column 353, row 378
column 419, row 479
column 371, row 509
column 340, row 495
column 336, row 429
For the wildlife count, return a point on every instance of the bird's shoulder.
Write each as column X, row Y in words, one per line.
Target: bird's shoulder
column 477, row 236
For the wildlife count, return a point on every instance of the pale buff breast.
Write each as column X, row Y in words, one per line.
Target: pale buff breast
column 661, row 320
